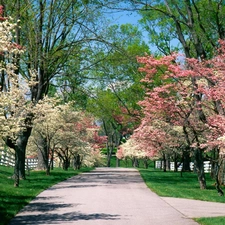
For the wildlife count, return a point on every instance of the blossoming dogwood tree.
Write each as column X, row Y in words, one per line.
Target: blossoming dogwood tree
column 15, row 110
column 190, row 94
column 60, row 132
column 130, row 150
column 77, row 140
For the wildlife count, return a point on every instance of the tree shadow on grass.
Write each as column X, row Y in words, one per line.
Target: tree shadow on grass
column 9, row 205
column 60, row 218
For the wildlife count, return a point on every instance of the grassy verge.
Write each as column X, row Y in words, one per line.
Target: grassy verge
column 171, row 184
column 14, row 199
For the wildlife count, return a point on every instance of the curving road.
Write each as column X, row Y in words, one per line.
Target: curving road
column 110, row 196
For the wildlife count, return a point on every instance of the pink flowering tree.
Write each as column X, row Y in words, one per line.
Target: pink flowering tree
column 188, row 94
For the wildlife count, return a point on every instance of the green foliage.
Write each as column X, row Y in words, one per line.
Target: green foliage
column 14, row 199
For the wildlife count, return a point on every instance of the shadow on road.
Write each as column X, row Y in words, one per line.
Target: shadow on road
column 60, row 218
column 45, row 207
column 98, row 178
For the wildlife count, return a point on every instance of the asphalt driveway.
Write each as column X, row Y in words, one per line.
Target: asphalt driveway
column 111, row 196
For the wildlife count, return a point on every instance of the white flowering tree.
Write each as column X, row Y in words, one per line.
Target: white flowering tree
column 62, row 133
column 78, row 141
column 15, row 109
column 131, row 150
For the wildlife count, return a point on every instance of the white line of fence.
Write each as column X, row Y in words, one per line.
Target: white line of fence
column 207, row 166
column 8, row 159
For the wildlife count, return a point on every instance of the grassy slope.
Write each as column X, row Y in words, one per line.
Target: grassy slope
column 14, row 199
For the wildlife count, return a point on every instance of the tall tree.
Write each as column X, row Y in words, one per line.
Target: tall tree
column 196, row 25
column 16, row 112
column 116, row 79
column 174, row 102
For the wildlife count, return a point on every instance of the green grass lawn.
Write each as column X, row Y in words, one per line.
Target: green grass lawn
column 171, row 184
column 14, row 199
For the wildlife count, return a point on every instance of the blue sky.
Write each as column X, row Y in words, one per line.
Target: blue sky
column 128, row 17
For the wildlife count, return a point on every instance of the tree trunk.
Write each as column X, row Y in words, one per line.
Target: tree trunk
column 46, row 160
column 109, row 155
column 16, row 171
column 199, row 165
column 52, row 160
column 48, row 170
column 20, row 154
column 77, row 162
column 66, row 163
column 175, row 162
column 44, row 154
column 135, row 162
column 20, row 160
column 186, row 160
column 164, row 162
column 20, row 150
column 219, row 174
column 167, row 162
column 117, row 162
column 41, row 165
column 214, row 163
column 146, row 163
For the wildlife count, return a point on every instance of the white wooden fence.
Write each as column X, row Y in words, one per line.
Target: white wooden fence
column 8, row 159
column 207, row 166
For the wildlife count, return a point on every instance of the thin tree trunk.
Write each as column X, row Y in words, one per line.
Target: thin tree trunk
column 109, row 155
column 135, row 162
column 41, row 164
column 175, row 162
column 16, row 171
column 167, row 162
column 186, row 160
column 219, row 172
column 145, row 162
column 199, row 165
column 164, row 162
column 117, row 162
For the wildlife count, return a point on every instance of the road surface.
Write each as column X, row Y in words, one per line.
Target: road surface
column 111, row 196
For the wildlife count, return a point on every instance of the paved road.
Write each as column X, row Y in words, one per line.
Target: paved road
column 111, row 196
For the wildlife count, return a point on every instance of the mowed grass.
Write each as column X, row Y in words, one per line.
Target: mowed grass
column 12, row 199
column 171, row 184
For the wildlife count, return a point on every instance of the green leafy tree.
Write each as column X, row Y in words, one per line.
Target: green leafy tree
column 116, row 79
column 195, row 25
